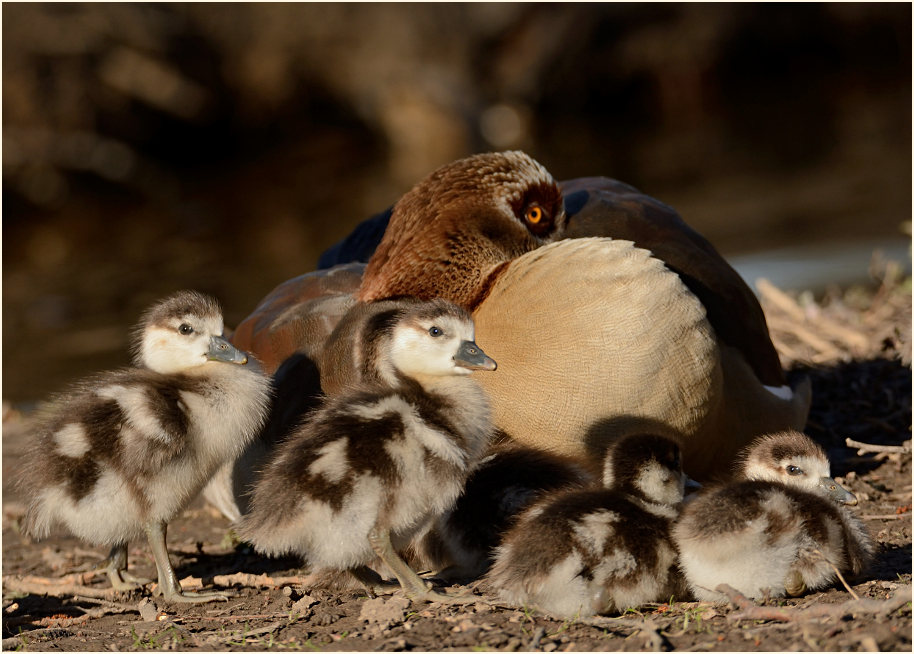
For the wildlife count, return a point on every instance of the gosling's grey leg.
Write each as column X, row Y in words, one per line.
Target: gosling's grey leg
column 413, row 585
column 373, row 583
column 457, row 573
column 168, row 581
column 116, row 567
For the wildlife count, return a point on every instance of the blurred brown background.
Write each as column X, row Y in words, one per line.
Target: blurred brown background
column 148, row 148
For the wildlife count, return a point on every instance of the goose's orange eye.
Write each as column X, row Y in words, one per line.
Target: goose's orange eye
column 533, row 215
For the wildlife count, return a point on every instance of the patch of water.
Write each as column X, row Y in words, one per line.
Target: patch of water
column 814, row 267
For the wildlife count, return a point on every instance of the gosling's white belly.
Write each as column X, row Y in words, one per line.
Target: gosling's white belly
column 404, row 494
column 742, row 560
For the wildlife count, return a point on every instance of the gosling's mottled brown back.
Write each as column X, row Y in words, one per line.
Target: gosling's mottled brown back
column 386, row 457
column 583, row 552
column 120, row 454
column 780, row 532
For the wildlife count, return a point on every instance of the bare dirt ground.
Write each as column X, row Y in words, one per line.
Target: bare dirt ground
column 855, row 345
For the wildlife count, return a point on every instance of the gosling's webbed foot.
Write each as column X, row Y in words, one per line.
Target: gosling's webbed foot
column 373, row 583
column 195, row 597
column 414, row 587
column 169, row 587
column 443, row 598
column 123, row 581
column 794, row 584
column 455, row 574
column 116, row 567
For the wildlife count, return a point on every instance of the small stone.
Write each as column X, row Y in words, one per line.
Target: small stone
column 384, row 612
column 467, row 625
column 149, row 612
column 287, row 591
column 303, row 605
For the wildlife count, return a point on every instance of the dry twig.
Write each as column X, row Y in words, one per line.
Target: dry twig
column 52, row 632
column 62, row 587
column 239, row 636
column 230, row 618
column 840, row 576
column 869, row 448
column 254, row 581
column 748, row 610
column 537, row 637
column 751, row 611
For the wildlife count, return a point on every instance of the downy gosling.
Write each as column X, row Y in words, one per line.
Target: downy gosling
column 781, row 528
column 584, row 552
column 121, row 454
column 380, row 461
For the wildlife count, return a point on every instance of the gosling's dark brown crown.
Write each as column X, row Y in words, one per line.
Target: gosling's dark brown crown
column 627, row 457
column 433, row 310
column 380, row 326
column 174, row 307
column 776, row 448
column 449, row 234
column 178, row 305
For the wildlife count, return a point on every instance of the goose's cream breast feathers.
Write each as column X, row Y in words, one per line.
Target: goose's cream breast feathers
column 554, row 307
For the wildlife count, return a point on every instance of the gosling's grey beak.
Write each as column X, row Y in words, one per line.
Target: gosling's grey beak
column 691, row 484
column 221, row 350
column 471, row 357
column 837, row 492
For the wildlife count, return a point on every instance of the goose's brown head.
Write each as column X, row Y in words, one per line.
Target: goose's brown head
column 451, row 234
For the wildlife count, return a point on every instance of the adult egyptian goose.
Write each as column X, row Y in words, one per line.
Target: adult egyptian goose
column 780, row 529
column 121, row 454
column 379, row 462
column 649, row 330
column 583, row 552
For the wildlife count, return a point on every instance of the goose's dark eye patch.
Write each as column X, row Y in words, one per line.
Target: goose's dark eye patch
column 794, row 470
column 539, row 208
column 185, row 329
